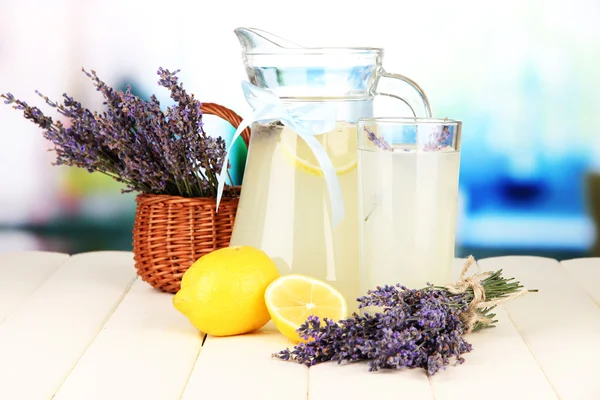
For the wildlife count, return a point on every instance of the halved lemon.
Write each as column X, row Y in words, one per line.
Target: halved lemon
column 291, row 299
column 340, row 144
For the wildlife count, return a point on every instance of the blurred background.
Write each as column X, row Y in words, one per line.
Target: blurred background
column 523, row 76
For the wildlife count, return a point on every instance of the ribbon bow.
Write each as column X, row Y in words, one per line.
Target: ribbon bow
column 307, row 121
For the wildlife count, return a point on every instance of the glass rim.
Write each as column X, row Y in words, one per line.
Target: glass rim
column 318, row 51
column 409, row 120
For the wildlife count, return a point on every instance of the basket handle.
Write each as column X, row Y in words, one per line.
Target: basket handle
column 228, row 115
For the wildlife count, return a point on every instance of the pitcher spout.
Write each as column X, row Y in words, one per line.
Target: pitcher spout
column 255, row 41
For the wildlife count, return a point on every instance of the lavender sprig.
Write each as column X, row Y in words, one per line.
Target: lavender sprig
column 135, row 141
column 416, row 328
column 378, row 141
column 437, row 139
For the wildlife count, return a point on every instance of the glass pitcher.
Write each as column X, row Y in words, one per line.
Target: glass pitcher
column 285, row 206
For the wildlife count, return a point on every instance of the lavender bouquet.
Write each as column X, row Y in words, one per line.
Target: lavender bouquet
column 417, row 328
column 134, row 141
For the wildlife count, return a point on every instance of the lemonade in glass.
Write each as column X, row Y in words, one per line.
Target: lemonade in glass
column 408, row 198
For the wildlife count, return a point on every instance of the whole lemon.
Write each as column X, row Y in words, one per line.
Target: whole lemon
column 222, row 293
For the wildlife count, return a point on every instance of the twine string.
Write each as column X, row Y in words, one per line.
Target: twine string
column 472, row 316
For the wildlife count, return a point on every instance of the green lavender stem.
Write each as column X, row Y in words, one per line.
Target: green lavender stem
column 495, row 287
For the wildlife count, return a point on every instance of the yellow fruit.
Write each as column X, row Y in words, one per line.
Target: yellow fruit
column 222, row 293
column 340, row 144
column 292, row 298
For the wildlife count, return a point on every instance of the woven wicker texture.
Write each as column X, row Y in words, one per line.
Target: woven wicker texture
column 172, row 232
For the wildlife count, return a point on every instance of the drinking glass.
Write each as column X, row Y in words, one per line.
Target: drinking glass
column 407, row 200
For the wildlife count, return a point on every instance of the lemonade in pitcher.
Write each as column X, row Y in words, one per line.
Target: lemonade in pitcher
column 286, row 211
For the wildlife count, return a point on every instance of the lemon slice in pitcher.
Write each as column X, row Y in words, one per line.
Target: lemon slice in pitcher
column 291, row 299
column 340, row 144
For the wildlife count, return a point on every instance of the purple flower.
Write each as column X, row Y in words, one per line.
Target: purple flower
column 135, row 141
column 438, row 139
column 415, row 329
column 378, row 141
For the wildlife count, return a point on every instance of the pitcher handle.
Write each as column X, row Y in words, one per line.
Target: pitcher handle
column 415, row 97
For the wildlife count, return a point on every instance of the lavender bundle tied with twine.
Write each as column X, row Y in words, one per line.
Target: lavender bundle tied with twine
column 415, row 328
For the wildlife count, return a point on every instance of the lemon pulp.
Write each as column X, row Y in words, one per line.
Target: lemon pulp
column 291, row 299
column 340, row 144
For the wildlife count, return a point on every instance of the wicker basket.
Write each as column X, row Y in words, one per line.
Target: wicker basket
column 172, row 232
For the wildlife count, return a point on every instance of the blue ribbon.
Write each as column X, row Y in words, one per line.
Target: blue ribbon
column 307, row 121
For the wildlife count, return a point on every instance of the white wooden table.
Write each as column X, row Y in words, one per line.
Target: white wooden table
column 85, row 327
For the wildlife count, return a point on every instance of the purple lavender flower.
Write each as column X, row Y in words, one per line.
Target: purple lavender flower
column 415, row 329
column 438, row 139
column 378, row 141
column 135, row 141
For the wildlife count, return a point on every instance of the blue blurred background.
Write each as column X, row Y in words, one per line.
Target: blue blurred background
column 523, row 76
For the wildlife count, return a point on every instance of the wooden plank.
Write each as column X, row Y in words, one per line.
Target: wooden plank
column 241, row 367
column 145, row 351
column 499, row 355
column 586, row 272
column 43, row 339
column 21, row 273
column 560, row 324
column 354, row 381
